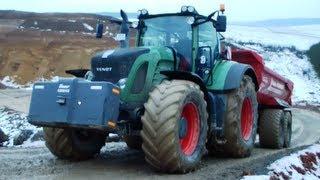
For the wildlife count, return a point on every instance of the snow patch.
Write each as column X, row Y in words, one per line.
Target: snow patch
column 29, row 143
column 114, row 147
column 12, row 123
column 304, row 164
column 10, row 82
column 87, row 26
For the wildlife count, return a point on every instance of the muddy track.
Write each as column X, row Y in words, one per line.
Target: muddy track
column 122, row 163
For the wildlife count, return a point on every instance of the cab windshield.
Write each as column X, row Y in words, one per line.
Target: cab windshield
column 173, row 31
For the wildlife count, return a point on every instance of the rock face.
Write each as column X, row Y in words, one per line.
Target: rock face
column 23, row 136
column 3, row 137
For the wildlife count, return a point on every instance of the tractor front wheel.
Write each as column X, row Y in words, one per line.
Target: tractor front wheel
column 73, row 144
column 175, row 126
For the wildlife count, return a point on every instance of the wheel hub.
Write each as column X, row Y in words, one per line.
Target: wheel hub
column 182, row 128
column 189, row 130
column 246, row 119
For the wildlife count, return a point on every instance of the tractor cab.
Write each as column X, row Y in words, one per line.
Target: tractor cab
column 193, row 37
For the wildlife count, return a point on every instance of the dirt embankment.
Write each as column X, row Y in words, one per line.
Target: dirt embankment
column 35, row 54
column 44, row 45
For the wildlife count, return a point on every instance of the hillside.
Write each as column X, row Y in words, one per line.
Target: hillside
column 36, row 45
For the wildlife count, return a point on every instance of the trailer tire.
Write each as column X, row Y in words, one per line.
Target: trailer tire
column 288, row 129
column 240, row 123
column 73, row 144
column 133, row 142
column 271, row 130
column 175, row 126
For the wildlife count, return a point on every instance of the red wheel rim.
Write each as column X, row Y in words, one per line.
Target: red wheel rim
column 246, row 119
column 189, row 141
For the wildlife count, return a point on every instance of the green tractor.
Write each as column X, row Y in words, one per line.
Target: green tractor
column 175, row 95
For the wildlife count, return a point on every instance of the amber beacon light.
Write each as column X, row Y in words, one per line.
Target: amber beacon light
column 222, row 7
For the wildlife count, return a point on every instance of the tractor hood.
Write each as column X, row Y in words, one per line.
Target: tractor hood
column 113, row 65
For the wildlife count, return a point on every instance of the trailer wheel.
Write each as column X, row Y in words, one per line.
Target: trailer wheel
column 240, row 122
column 272, row 128
column 175, row 126
column 288, row 129
column 73, row 144
column 133, row 142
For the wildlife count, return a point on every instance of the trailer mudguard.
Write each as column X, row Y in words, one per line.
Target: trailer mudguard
column 227, row 75
column 74, row 102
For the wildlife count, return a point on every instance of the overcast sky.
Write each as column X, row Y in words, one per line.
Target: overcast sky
column 237, row 10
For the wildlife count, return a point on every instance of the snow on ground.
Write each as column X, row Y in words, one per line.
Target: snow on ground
column 72, row 20
column 304, row 164
column 302, row 37
column 87, row 26
column 12, row 123
column 10, row 83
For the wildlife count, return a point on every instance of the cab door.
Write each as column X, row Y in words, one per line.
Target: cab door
column 207, row 50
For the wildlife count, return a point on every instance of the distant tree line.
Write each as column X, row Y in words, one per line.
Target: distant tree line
column 314, row 54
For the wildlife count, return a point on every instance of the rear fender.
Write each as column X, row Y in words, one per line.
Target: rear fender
column 227, row 75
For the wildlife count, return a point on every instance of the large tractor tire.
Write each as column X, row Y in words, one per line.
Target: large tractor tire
column 272, row 128
column 175, row 126
column 288, row 129
column 240, row 122
column 133, row 142
column 73, row 144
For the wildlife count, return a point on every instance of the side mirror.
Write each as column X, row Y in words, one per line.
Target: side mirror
column 99, row 30
column 221, row 24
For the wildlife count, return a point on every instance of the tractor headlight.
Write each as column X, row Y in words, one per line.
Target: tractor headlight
column 190, row 20
column 143, row 12
column 191, row 9
column 122, row 83
column 184, row 8
column 135, row 24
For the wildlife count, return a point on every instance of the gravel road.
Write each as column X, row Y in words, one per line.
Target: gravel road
column 122, row 163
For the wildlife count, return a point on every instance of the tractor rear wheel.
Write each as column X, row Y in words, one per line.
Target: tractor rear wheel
column 240, row 122
column 175, row 126
column 288, row 129
column 73, row 144
column 272, row 128
column 133, row 142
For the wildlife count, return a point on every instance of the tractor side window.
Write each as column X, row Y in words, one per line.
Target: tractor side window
column 208, row 37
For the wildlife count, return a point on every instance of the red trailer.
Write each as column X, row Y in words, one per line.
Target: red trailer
column 274, row 90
